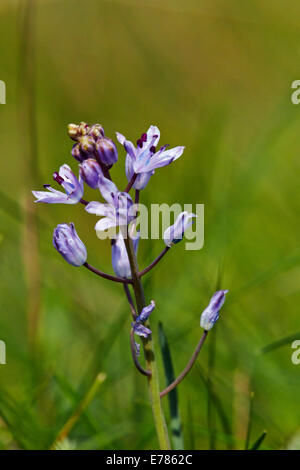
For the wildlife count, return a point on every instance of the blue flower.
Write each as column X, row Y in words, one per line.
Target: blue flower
column 120, row 261
column 69, row 245
column 211, row 314
column 138, row 327
column 118, row 210
column 174, row 233
column 144, row 159
column 73, row 188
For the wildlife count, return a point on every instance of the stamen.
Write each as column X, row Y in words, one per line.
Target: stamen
column 163, row 147
column 58, row 178
column 144, row 137
column 153, row 149
column 139, row 143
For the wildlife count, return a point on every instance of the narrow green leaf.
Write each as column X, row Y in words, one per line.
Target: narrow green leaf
column 177, row 438
column 259, row 441
column 287, row 340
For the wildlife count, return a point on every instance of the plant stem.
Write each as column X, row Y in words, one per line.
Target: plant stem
column 153, row 381
column 106, row 276
column 146, row 270
column 134, row 356
column 130, row 301
column 131, row 183
column 187, row 368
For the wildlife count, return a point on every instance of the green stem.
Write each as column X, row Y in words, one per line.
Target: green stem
column 153, row 381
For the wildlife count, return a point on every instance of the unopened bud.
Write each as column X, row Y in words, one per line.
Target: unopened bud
column 77, row 153
column 77, row 131
column 96, row 131
column 107, row 151
column 87, row 144
column 73, row 131
column 90, row 171
column 69, row 245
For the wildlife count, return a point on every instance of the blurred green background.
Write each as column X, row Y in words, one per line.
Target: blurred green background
column 216, row 77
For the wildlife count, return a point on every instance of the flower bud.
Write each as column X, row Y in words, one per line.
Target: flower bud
column 83, row 128
column 76, row 131
column 69, row 245
column 106, row 151
column 73, row 131
column 174, row 233
column 96, row 131
column 87, row 144
column 90, row 171
column 77, row 153
column 211, row 314
column 120, row 261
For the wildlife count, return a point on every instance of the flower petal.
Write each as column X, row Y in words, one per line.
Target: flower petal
column 121, row 138
column 145, row 313
column 164, row 158
column 97, row 208
column 107, row 189
column 56, row 197
column 141, row 330
column 130, row 149
column 105, row 224
column 174, row 233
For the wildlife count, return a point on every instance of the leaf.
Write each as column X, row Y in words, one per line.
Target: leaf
column 259, row 441
column 176, row 431
column 287, row 340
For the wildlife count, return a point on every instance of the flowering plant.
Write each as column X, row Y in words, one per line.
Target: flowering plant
column 96, row 155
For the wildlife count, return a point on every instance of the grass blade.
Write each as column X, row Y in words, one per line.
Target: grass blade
column 62, row 436
column 259, row 441
column 176, row 432
column 287, row 340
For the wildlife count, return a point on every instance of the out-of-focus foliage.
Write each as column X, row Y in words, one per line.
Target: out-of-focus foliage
column 215, row 77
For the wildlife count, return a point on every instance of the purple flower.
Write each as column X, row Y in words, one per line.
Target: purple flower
column 69, row 245
column 72, row 186
column 145, row 313
column 211, row 314
column 144, row 158
column 120, row 261
column 141, row 330
column 106, row 151
column 118, row 210
column 90, row 170
column 174, row 233
column 138, row 327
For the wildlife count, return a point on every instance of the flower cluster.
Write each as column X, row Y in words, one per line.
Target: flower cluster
column 96, row 154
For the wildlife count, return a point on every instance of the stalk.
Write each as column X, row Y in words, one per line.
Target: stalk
column 153, row 381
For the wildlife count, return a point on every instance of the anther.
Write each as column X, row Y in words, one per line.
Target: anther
column 58, row 178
